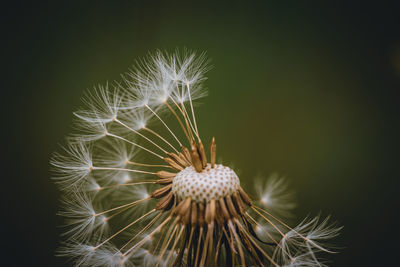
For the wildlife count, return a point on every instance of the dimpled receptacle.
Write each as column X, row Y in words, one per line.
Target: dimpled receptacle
column 211, row 183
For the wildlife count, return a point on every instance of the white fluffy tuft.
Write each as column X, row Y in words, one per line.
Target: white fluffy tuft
column 302, row 243
column 274, row 195
column 101, row 104
column 86, row 255
column 72, row 166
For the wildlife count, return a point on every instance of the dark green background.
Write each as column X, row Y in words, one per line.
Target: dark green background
column 304, row 88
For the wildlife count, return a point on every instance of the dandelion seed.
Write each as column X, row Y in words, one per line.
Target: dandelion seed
column 72, row 167
column 138, row 195
column 102, row 104
column 274, row 195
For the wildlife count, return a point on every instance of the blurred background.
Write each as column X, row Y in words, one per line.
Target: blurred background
column 307, row 89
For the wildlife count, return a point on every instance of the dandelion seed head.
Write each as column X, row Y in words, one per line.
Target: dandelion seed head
column 135, row 194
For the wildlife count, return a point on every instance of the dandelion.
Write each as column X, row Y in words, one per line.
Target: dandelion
column 140, row 193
